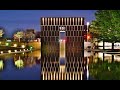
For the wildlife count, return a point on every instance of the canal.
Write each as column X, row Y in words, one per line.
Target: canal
column 27, row 66
column 23, row 66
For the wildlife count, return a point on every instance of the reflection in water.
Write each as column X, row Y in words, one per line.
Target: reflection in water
column 1, row 65
column 19, row 63
column 21, row 66
column 104, row 66
column 57, row 67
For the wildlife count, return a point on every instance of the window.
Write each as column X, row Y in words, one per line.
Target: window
column 68, row 21
column 61, row 28
column 45, row 21
column 76, row 21
column 57, row 28
column 67, row 27
column 42, row 21
column 71, row 33
column 45, row 28
column 71, row 21
column 75, row 28
column 53, row 28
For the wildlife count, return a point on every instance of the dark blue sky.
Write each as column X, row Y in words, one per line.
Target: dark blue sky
column 12, row 19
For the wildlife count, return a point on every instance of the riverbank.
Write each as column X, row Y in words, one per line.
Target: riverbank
column 103, row 50
column 17, row 52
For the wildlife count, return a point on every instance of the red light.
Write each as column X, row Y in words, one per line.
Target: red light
column 88, row 36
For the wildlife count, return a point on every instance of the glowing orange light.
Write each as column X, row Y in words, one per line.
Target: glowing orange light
column 88, row 37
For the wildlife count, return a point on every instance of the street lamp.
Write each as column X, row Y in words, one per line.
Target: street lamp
column 15, row 45
column 87, row 29
column 9, row 51
column 23, row 46
column 88, row 37
column 1, row 52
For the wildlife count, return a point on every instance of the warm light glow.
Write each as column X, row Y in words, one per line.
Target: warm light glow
column 1, row 52
column 15, row 45
column 1, row 65
column 24, row 49
column 15, row 50
column 0, row 42
column 88, row 37
column 9, row 51
column 19, row 64
column 64, row 40
column 35, row 40
column 23, row 46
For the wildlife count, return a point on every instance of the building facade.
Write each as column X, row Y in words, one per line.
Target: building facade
column 72, row 69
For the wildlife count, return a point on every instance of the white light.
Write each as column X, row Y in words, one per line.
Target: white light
column 27, row 49
column 62, row 31
column 1, row 52
column 9, row 51
column 15, row 50
column 61, row 40
column 24, row 49
column 35, row 40
column 15, row 45
column 88, row 23
column 20, row 49
column 87, row 73
column 23, row 46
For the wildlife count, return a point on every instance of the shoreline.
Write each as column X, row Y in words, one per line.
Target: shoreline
column 18, row 52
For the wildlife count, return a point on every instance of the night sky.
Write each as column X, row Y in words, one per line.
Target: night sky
column 13, row 19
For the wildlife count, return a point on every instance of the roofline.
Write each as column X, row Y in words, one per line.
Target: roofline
column 61, row 17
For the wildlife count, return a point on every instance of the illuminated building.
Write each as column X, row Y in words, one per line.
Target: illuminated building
column 72, row 69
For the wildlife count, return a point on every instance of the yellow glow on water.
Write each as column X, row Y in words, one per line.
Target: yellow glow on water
column 19, row 64
column 1, row 65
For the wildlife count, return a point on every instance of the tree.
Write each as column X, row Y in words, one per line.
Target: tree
column 29, row 36
column 2, row 31
column 107, row 25
column 19, row 35
column 105, row 71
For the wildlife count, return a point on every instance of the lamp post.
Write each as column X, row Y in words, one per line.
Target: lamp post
column 87, row 29
column 87, row 56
